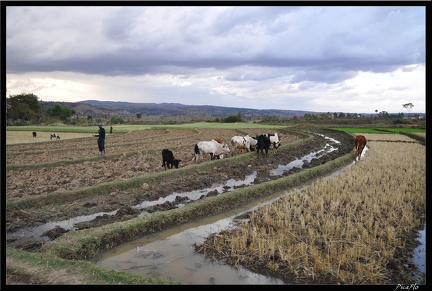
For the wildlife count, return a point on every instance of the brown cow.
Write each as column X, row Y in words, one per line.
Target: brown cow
column 360, row 143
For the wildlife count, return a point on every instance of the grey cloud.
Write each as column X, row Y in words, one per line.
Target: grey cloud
column 241, row 36
column 328, row 76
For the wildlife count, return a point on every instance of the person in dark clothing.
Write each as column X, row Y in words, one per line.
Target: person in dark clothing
column 101, row 139
column 111, row 129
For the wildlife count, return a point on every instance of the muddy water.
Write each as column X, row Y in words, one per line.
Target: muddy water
column 419, row 257
column 170, row 255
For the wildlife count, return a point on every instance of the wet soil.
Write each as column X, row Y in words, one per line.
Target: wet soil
column 57, row 180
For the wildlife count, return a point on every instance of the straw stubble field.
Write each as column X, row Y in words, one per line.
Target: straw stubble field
column 350, row 230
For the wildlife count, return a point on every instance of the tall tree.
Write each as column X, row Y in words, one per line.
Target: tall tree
column 24, row 106
column 408, row 107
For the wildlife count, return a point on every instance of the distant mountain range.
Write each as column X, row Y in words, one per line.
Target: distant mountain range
column 106, row 109
column 123, row 109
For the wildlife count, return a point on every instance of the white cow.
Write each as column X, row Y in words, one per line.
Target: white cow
column 243, row 143
column 218, row 156
column 252, row 141
column 274, row 141
column 210, row 147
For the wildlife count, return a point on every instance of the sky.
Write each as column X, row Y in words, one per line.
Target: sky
column 355, row 59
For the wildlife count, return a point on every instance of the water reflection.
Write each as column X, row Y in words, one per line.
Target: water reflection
column 230, row 185
column 171, row 256
column 419, row 257
column 37, row 233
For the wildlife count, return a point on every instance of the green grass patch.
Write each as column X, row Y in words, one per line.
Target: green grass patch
column 127, row 128
column 50, row 269
column 384, row 130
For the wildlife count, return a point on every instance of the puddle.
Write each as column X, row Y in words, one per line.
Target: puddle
column 419, row 257
column 298, row 163
column 171, row 256
column 197, row 194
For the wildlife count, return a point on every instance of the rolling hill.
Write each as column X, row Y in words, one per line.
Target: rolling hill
column 124, row 109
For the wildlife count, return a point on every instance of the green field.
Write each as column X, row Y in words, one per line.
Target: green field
column 386, row 130
column 198, row 125
column 128, row 128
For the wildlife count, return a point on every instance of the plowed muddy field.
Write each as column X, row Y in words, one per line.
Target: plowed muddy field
column 65, row 165
column 53, row 180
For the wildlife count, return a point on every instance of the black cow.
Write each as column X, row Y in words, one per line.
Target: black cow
column 263, row 144
column 34, row 133
column 168, row 159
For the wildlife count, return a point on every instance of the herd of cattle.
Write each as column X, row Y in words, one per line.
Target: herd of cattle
column 216, row 148
column 261, row 143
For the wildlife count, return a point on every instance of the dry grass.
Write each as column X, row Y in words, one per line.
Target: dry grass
column 389, row 137
column 422, row 134
column 16, row 137
column 349, row 227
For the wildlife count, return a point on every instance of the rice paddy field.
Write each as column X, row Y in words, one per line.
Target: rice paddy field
column 357, row 229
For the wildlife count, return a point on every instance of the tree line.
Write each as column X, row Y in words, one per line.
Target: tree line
column 27, row 109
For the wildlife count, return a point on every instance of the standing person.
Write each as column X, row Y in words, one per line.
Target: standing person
column 110, row 128
column 101, row 139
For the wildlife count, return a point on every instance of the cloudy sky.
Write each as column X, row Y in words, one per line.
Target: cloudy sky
column 314, row 58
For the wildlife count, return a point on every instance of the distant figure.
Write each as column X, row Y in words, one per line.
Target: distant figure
column 34, row 133
column 110, row 128
column 101, row 139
